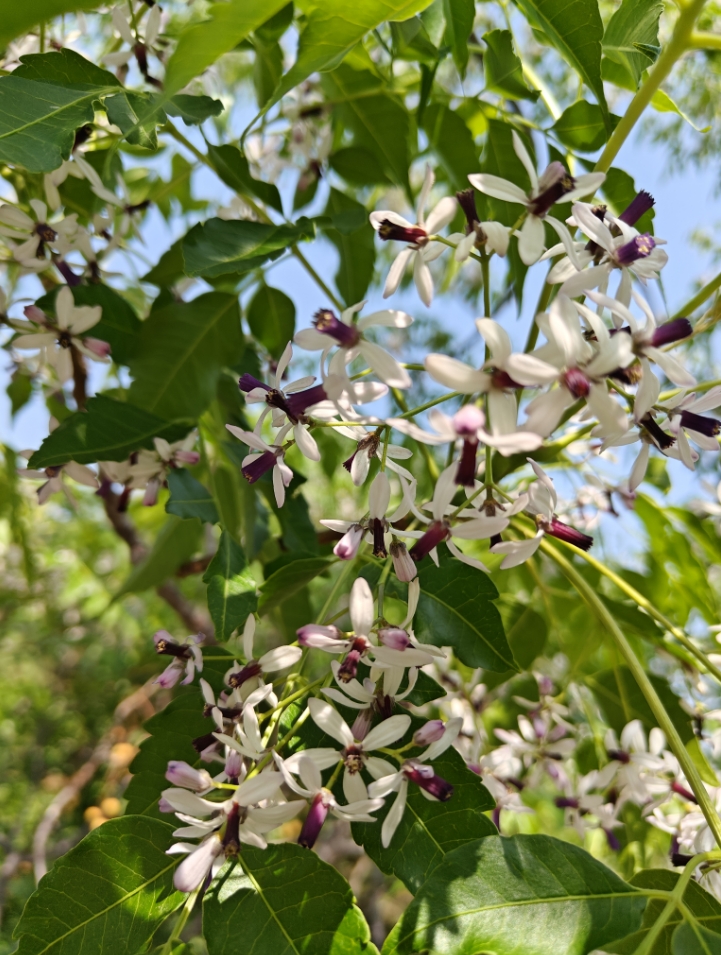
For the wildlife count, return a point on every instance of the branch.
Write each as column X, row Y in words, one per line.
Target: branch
column 80, row 378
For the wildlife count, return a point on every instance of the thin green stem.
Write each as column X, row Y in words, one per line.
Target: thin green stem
column 639, row 674
column 486, row 288
column 316, row 278
column 180, row 924
column 340, row 580
column 646, row 605
column 543, row 300
column 702, row 40
column 423, row 448
column 291, row 699
column 700, row 297
column 679, row 44
column 429, row 404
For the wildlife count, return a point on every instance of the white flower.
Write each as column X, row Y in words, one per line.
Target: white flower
column 355, row 754
column 390, row 225
column 151, row 468
column 52, row 477
column 139, row 44
column 57, row 341
column 368, row 445
column 488, row 236
column 270, row 457
column 375, row 527
column 187, row 657
column 630, row 252
column 37, row 234
column 348, row 336
column 414, row 770
column 501, row 374
column 687, row 421
column 554, row 185
column 247, row 676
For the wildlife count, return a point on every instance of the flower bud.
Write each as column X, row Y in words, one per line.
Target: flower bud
column 403, row 564
column 347, row 546
column 319, row 637
column 423, row 776
column 313, row 824
column 395, row 638
column 182, row 774
column 430, row 733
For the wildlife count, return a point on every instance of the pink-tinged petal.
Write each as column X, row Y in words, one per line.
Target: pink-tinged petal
column 444, row 491
column 617, row 352
column 545, row 411
column 481, row 528
column 464, row 247
column 387, row 732
column 379, row 495
column 38, row 340
column 584, row 281
column 412, row 430
column 565, row 236
column 194, row 869
column 516, row 552
column 611, row 416
column 361, row 607
column 531, row 240
column 640, row 466
column 384, row 365
column 388, row 317
column 498, row 188
column 423, row 280
column 280, row 658
column 586, row 185
column 441, row 214
column 386, row 215
column 81, row 474
column 455, row 374
column 395, row 273
column 330, row 721
column 497, row 340
column 498, row 237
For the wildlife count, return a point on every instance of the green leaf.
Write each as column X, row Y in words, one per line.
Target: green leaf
column 274, row 27
column 289, row 580
column 297, row 528
column 582, row 126
column 663, row 103
column 430, row 830
column 19, row 18
column 330, row 33
column 358, row 166
column 575, row 28
column 107, row 895
column 702, row 905
column 135, row 115
column 695, row 940
column 231, row 588
column 19, row 391
column 267, row 70
column 634, row 22
column 219, row 246
column 169, row 268
column 119, row 326
column 271, row 318
column 232, row 167
column 184, row 345
column 189, row 498
column 503, row 71
column 65, row 68
column 176, row 542
column 283, row 900
column 451, row 140
column 619, row 191
column 193, row 110
column 459, row 26
column 379, row 122
column 108, row 430
column 526, row 893
column 356, row 248
column 200, row 44
column 455, row 610
column 526, row 632
column 38, row 121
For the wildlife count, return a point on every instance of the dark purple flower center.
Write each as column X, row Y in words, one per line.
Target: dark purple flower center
column 256, row 468
column 696, row 422
column 467, row 201
column 231, row 836
column 367, row 445
column 577, row 383
column 640, row 247
column 169, row 649
column 554, row 184
column 240, row 676
column 437, row 532
column 379, row 544
column 315, row 819
column 248, row 383
column 299, row 402
column 638, row 207
column 501, row 379
column 674, row 331
column 663, row 440
column 565, row 532
column 349, row 667
column 413, row 234
column 424, row 777
column 328, row 324
column 354, row 759
column 201, row 743
column 466, row 473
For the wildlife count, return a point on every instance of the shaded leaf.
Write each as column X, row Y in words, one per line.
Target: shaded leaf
column 176, row 543
column 287, row 581
column 189, row 498
column 184, row 345
column 502, row 68
column 65, row 68
column 695, row 940
column 232, row 167
column 455, row 610
column 283, row 900
column 575, row 28
column 459, row 25
column 634, row 22
column 231, row 587
column 267, row 70
column 108, row 430
column 220, row 246
column 271, row 318
column 356, row 247
column 107, row 895
column 526, row 893
column 193, row 110
column 430, row 830
column 358, row 166
column 582, row 126
column 451, row 140
column 169, row 268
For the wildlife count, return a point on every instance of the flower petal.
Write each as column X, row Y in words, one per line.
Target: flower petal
column 386, row 732
column 456, row 374
column 498, row 188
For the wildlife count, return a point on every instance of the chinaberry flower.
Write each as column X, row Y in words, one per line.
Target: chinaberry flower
column 322, row 801
column 330, row 639
column 555, row 184
column 502, row 374
column 633, row 254
column 420, row 249
column 246, row 677
column 150, row 469
column 485, row 236
column 53, row 476
column 139, row 45
column 687, row 421
column 416, row 771
column 369, row 445
column 542, row 503
column 187, row 657
column 38, row 235
column 60, row 342
column 348, row 337
column 375, row 527
column 355, row 754
column 270, row 457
